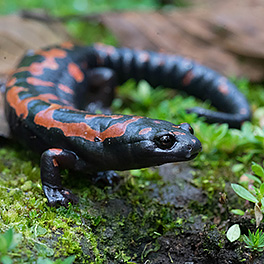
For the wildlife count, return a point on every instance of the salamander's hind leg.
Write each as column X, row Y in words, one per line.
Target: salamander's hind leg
column 101, row 90
column 107, row 178
column 52, row 160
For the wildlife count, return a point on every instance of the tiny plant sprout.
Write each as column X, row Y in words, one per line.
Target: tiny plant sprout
column 256, row 195
column 257, row 199
column 244, row 193
column 255, row 241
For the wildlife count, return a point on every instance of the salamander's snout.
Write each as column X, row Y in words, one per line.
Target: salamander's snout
column 193, row 149
column 194, row 146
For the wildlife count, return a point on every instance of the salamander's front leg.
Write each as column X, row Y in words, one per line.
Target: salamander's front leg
column 52, row 160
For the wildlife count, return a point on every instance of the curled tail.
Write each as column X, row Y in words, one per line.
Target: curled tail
column 182, row 74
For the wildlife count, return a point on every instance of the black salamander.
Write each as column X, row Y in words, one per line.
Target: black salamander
column 52, row 95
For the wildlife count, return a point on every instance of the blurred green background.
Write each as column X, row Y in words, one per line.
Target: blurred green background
column 68, row 7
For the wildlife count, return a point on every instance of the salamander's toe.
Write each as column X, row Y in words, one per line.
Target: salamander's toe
column 57, row 197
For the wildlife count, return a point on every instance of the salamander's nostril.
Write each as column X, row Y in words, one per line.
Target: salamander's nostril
column 189, row 148
column 189, row 151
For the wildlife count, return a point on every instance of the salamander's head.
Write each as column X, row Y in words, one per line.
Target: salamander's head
column 149, row 142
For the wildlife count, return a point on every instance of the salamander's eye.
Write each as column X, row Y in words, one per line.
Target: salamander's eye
column 166, row 141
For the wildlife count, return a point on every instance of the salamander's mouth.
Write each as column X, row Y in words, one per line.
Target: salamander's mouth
column 193, row 152
column 194, row 155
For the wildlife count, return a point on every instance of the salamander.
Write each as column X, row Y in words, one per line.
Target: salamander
column 53, row 94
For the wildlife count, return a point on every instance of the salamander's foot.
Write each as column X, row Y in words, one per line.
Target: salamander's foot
column 57, row 196
column 109, row 178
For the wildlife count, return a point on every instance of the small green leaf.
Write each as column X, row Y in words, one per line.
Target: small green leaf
column 237, row 212
column 248, row 241
column 252, row 177
column 244, row 193
column 251, row 235
column 233, row 233
column 261, row 188
column 220, row 132
column 144, row 89
column 257, row 169
column 40, row 231
column 8, row 235
column 238, row 167
column 44, row 250
column 261, row 240
column 262, row 202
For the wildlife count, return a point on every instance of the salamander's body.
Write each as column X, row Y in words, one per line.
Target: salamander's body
column 46, row 96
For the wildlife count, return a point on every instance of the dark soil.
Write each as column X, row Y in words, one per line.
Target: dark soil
column 195, row 240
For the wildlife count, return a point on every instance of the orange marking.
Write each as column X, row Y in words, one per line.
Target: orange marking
column 65, row 88
column 21, row 106
column 45, row 118
column 55, row 163
column 14, row 100
column 105, row 48
column 193, row 140
column 36, row 68
column 67, row 45
column 11, row 82
column 178, row 133
column 36, row 81
column 55, row 151
column 223, row 89
column 52, row 53
column 145, row 131
column 187, row 78
column 75, row 72
column 156, row 121
column 144, row 56
column 176, row 126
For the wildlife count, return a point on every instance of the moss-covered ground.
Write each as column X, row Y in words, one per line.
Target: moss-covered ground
column 171, row 214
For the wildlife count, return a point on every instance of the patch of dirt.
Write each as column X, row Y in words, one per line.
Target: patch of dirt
column 196, row 247
column 178, row 190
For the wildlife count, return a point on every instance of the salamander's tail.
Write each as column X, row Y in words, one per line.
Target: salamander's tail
column 183, row 74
